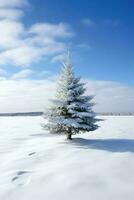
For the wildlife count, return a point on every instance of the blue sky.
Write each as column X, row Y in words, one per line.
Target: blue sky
column 103, row 48
column 35, row 35
column 102, row 44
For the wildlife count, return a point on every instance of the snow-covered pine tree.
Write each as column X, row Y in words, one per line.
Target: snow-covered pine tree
column 71, row 112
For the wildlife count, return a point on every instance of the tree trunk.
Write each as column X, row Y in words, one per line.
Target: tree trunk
column 69, row 136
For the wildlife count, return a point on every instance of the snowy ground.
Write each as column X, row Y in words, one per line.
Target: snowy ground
column 94, row 166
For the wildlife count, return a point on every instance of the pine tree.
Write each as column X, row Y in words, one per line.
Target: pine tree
column 71, row 112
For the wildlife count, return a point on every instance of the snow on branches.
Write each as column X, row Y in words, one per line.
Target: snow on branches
column 71, row 111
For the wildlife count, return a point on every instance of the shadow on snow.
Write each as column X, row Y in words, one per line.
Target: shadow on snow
column 112, row 145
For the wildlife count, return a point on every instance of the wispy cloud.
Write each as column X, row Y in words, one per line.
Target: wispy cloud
column 13, row 3
column 84, row 46
column 3, row 72
column 102, row 22
column 88, row 22
column 59, row 58
column 111, row 22
column 26, row 73
column 52, row 30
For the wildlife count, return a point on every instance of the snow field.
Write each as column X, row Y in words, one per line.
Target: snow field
column 97, row 165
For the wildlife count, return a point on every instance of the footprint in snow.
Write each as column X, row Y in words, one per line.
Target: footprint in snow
column 22, row 178
column 32, row 153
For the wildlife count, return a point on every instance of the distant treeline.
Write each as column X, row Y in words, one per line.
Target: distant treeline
column 116, row 114
column 25, row 114
column 21, row 114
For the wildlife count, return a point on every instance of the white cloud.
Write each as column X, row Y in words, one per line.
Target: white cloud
column 23, row 46
column 11, row 32
column 22, row 55
column 13, row 3
column 112, row 96
column 12, row 14
column 26, row 54
column 33, row 95
column 52, row 30
column 25, row 95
